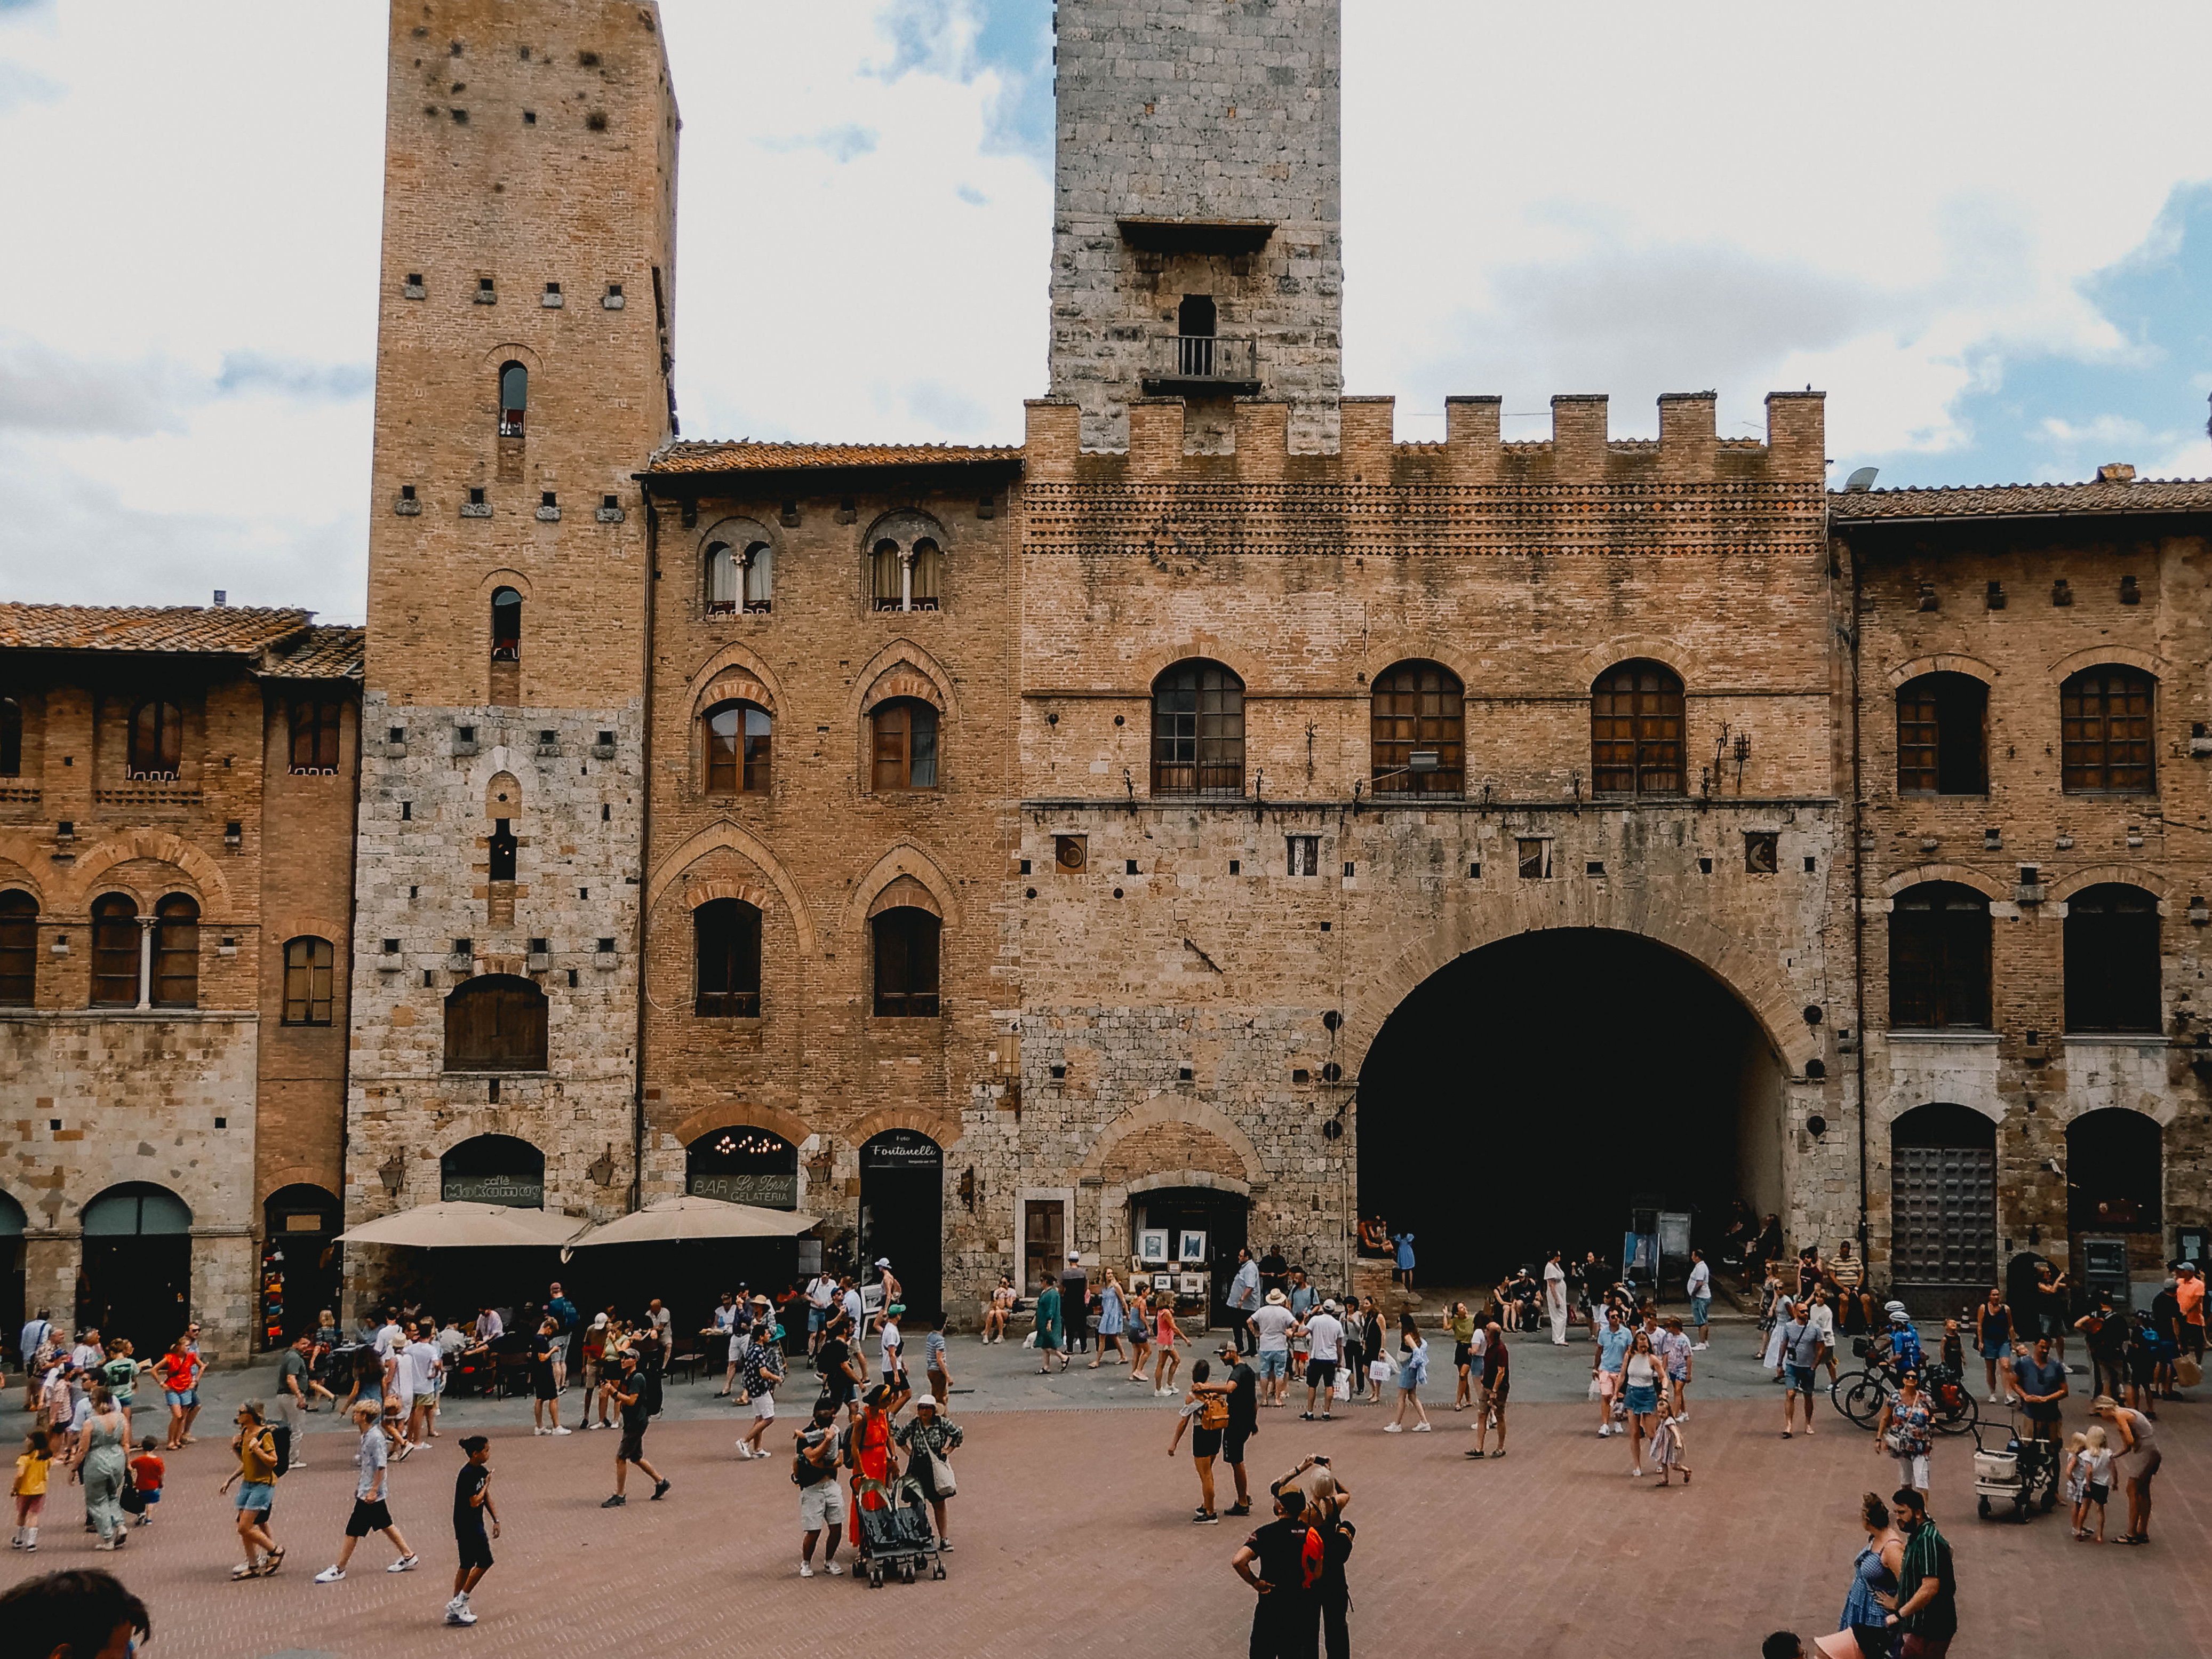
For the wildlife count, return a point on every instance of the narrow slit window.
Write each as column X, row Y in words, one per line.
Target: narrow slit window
column 513, row 398
column 505, row 625
column 308, row 966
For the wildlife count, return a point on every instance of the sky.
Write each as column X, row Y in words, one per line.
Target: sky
column 1984, row 230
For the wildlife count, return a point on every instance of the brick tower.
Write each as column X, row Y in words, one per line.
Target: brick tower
column 1197, row 246
column 525, row 295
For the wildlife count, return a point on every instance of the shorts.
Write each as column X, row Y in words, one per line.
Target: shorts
column 1699, row 1307
column 1996, row 1348
column 475, row 1547
column 816, row 1319
column 257, row 1495
column 764, row 1407
column 632, row 1450
column 1272, row 1362
column 1232, row 1444
column 368, row 1516
column 1643, row 1399
column 1205, row 1442
column 1912, row 1471
column 819, row 1506
column 1498, row 1385
column 1321, row 1374
column 2096, row 1494
column 1462, row 1356
column 541, row 1387
column 1608, row 1384
column 1800, row 1379
column 148, row 1499
column 186, row 1398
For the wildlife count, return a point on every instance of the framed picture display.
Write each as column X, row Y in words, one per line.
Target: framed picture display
column 1193, row 1247
column 1152, row 1244
column 1164, row 1282
column 1193, row 1284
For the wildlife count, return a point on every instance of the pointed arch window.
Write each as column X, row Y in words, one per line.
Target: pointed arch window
column 903, row 730
column 726, row 936
column 738, row 736
column 2104, row 732
column 19, row 949
column 1636, row 730
column 156, row 747
column 906, row 938
column 308, row 966
column 513, row 398
column 1418, row 730
column 1198, row 729
column 505, row 625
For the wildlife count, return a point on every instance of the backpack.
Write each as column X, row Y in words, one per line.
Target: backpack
column 281, row 1438
column 1213, row 1412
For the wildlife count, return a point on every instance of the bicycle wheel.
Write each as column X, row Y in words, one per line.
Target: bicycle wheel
column 1860, row 1396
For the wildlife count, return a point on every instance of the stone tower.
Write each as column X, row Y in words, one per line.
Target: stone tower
column 1197, row 246
column 526, row 300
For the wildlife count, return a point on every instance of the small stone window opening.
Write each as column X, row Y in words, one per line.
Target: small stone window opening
column 1760, row 852
column 1533, row 857
column 476, row 498
column 513, row 398
column 726, row 941
column 502, row 848
column 595, row 121
column 505, row 625
column 738, row 736
column 530, row 118
column 907, row 940
column 903, row 733
column 1304, row 855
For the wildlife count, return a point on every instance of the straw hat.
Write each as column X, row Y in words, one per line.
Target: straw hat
column 1276, row 1298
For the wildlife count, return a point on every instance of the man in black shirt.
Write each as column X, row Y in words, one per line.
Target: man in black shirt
column 1288, row 1557
column 1242, row 1386
column 471, row 1504
column 629, row 1397
column 1075, row 1305
column 1274, row 1271
column 832, row 1357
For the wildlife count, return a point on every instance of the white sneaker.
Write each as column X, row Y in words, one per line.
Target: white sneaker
column 833, row 1569
column 1604, row 1432
column 1422, row 1428
column 404, row 1564
column 1636, row 1474
column 744, row 1451
column 329, row 1576
column 1392, row 1428
column 805, row 1570
column 535, row 1432
column 558, row 1430
column 1699, row 1347
column 1993, row 1400
column 461, row 1615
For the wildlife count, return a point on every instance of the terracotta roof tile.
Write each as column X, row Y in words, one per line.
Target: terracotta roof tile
column 232, row 630
column 1994, row 501
column 746, row 456
column 321, row 654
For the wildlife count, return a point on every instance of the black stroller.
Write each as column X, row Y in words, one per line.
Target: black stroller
column 895, row 1540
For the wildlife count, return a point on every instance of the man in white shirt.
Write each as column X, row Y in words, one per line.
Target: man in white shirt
column 1270, row 1326
column 1244, row 1298
column 821, row 1292
column 420, row 1359
column 663, row 1330
column 855, row 1308
column 1822, row 1318
column 1555, row 1299
column 1324, row 1335
column 1701, row 1296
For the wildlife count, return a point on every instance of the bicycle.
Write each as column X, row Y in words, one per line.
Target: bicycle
column 1861, row 1395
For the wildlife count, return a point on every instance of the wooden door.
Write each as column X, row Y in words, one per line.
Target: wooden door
column 1044, row 1242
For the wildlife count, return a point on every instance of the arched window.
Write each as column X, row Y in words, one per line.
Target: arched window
column 19, row 949
column 115, row 951
column 1419, row 731
column 493, row 1170
column 496, row 1022
column 513, row 398
column 905, row 736
column 1939, row 958
column 887, row 576
column 2111, row 959
column 2113, row 1172
column 906, row 563
column 2104, row 732
column 906, row 941
column 737, row 741
column 1942, row 1205
column 505, row 625
column 1198, row 731
column 314, row 722
column 725, row 935
column 1636, row 730
column 725, row 580
column 1941, row 744
column 744, row 1163
column 11, row 737
column 176, row 964
column 308, row 980
column 928, row 572
column 759, row 578
column 157, row 741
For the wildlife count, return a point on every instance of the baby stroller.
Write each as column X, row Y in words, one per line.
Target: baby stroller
column 895, row 1539
column 2012, row 1475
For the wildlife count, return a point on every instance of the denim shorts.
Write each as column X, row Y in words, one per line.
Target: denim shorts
column 1643, row 1399
column 816, row 1317
column 256, row 1494
column 1699, row 1307
column 186, row 1397
column 1271, row 1362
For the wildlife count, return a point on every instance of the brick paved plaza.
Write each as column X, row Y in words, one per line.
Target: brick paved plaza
column 1073, row 1527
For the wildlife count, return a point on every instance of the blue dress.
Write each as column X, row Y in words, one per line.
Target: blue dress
column 1110, row 1311
column 1861, row 1612
column 1404, row 1242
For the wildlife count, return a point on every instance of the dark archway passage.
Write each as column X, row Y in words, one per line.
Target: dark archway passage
column 1520, row 1099
column 903, row 1219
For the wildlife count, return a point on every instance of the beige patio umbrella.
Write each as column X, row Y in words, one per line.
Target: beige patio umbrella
column 691, row 1217
column 460, row 1226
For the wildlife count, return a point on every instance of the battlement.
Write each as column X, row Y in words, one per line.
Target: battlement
column 1688, row 450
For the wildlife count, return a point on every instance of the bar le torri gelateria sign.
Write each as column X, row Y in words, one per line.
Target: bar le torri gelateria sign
column 767, row 1192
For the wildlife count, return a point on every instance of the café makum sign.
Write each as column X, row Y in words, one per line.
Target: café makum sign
column 516, row 1191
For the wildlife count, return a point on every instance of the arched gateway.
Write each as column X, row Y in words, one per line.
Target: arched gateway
column 1535, row 1092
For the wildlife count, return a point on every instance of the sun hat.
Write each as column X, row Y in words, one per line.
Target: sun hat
column 1277, row 1298
column 928, row 1400
column 883, row 1262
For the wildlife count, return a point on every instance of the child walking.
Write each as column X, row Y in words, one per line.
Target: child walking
column 1667, row 1449
column 30, row 1489
column 147, row 1472
column 2089, row 1480
column 471, row 1504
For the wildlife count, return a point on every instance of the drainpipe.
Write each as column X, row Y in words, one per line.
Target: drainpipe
column 1858, row 897
column 645, row 839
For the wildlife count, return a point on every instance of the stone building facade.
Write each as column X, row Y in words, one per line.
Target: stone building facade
column 177, row 791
